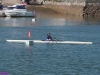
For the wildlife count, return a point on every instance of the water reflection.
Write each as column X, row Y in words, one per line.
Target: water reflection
column 48, row 20
column 58, row 20
column 68, row 17
column 15, row 21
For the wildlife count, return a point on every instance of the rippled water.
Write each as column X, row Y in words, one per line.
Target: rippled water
column 50, row 59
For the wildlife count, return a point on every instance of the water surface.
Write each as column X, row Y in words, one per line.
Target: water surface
column 50, row 59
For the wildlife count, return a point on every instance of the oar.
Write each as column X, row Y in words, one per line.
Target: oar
column 55, row 39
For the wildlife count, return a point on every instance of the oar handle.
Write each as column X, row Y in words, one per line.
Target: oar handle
column 55, row 39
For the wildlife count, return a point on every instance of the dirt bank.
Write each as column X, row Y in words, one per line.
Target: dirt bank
column 41, row 9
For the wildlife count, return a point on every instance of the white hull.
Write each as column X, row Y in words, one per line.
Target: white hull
column 18, row 10
column 19, row 14
column 41, row 41
column 2, row 14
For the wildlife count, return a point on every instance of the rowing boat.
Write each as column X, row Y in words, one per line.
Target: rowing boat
column 30, row 42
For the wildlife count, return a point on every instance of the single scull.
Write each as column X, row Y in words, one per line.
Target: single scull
column 44, row 41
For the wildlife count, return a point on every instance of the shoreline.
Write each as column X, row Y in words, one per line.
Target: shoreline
column 84, row 11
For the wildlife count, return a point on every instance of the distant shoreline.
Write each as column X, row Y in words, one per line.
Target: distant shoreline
column 85, row 11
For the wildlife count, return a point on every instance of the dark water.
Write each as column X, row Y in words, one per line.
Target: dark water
column 50, row 59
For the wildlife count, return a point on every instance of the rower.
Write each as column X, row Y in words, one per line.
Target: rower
column 49, row 37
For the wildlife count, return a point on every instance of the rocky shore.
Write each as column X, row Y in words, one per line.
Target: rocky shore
column 86, row 11
column 91, row 10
